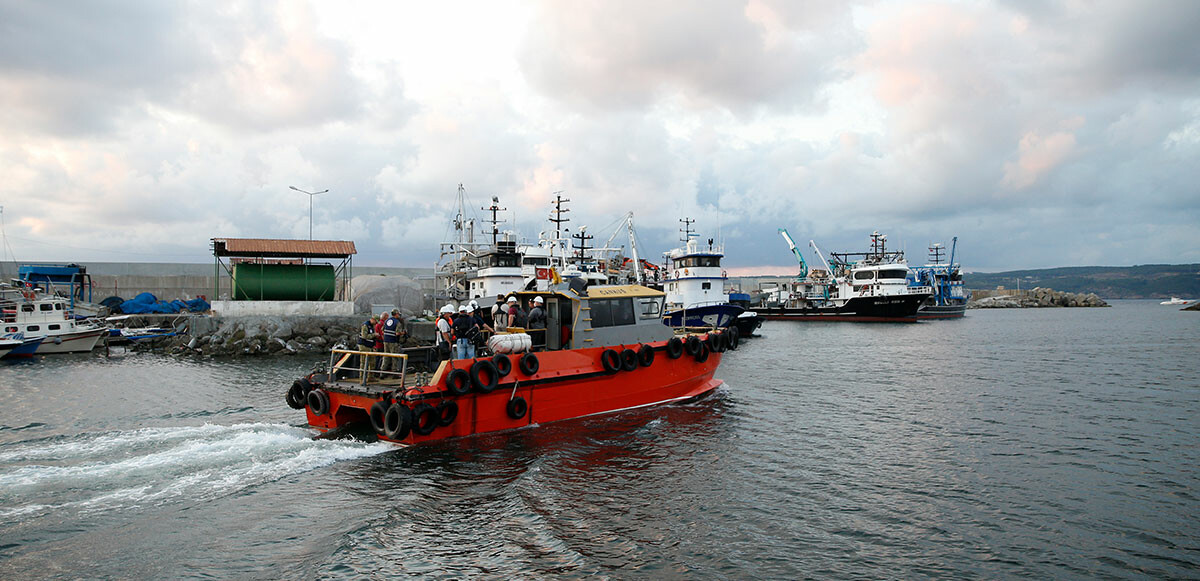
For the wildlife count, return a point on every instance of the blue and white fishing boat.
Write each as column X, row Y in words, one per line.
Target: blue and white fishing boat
column 695, row 286
column 15, row 345
column 950, row 296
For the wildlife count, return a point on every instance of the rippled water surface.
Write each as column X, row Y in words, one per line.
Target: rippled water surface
column 1057, row 443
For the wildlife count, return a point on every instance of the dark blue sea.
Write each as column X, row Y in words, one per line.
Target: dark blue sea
column 1047, row 444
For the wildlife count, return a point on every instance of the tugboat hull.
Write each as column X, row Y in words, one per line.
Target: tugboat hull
column 559, row 385
column 928, row 312
column 880, row 309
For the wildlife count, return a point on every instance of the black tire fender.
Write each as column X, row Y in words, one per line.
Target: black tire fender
column 503, row 364
column 629, row 360
column 397, row 422
column 484, row 375
column 318, row 402
column 693, row 345
column 611, row 360
column 734, row 338
column 447, row 412
column 517, row 407
column 378, row 415
column 295, row 396
column 646, row 355
column 425, row 419
column 702, row 355
column 529, row 364
column 675, row 348
column 458, row 381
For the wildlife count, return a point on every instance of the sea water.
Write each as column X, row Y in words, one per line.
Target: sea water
column 1047, row 443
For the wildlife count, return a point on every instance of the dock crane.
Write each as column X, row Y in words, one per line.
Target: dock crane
column 799, row 257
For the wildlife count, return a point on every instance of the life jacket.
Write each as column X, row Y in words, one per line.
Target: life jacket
column 389, row 329
column 366, row 335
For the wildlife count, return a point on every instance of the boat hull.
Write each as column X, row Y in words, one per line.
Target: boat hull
column 953, row 311
column 878, row 309
column 747, row 325
column 26, row 349
column 566, row 384
column 74, row 342
column 718, row 316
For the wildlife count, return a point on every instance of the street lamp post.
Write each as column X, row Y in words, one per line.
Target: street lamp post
column 310, row 204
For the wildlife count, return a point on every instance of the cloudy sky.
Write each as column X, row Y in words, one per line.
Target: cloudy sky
column 1040, row 133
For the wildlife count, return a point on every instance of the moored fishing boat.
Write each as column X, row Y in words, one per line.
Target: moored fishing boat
column 950, row 296
column 695, row 285
column 49, row 318
column 863, row 287
column 604, row 349
column 19, row 345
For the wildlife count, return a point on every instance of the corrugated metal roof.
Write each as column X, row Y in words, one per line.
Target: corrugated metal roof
column 267, row 247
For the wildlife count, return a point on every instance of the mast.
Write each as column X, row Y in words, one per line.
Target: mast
column 688, row 233
column 935, row 253
column 582, row 248
column 494, row 209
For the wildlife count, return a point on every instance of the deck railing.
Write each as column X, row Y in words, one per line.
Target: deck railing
column 361, row 366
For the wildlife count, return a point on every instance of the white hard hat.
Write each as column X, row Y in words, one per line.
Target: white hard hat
column 474, row 305
column 447, row 309
column 512, row 299
column 462, row 308
column 537, row 300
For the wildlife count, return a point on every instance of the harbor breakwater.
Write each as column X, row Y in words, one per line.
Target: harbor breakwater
column 1036, row 298
column 243, row 336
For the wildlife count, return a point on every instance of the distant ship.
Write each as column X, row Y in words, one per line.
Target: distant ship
column 695, row 286
column 1175, row 301
column 865, row 287
column 949, row 298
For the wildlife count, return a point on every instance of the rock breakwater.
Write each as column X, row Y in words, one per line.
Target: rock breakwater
column 270, row 335
column 1038, row 298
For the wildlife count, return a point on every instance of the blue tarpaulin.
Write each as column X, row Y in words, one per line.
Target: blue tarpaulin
column 148, row 303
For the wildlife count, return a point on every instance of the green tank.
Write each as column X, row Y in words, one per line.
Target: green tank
column 284, row 282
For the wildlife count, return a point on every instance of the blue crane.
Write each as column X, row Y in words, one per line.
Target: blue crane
column 799, row 257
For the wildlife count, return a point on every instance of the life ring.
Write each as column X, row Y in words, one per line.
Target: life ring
column 484, row 376
column 528, row 364
column 646, row 355
column 458, row 382
column 318, row 402
column 397, row 422
column 685, row 271
column 675, row 348
column 517, row 407
column 425, row 419
column 611, row 360
column 734, row 338
column 693, row 345
column 629, row 360
column 379, row 416
column 702, row 354
column 503, row 364
column 447, row 412
column 28, row 294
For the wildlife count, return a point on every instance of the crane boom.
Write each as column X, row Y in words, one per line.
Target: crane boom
column 953, row 247
column 799, row 257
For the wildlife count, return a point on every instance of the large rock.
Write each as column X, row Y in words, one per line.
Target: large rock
column 399, row 291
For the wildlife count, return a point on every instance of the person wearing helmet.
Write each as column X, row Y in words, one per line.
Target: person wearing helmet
column 443, row 340
column 537, row 315
column 481, row 323
column 516, row 316
column 465, row 333
column 391, row 340
column 499, row 313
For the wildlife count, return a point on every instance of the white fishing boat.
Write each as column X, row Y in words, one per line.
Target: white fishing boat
column 49, row 318
column 1175, row 301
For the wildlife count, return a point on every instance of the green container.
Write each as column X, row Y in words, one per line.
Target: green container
column 283, row 282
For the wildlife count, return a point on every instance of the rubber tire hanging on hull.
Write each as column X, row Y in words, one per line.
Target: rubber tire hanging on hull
column 629, row 360
column 378, row 415
column 693, row 345
column 611, row 360
column 447, row 412
column 702, row 355
column 295, row 396
column 517, row 407
column 458, row 382
column 397, row 422
column 734, row 338
column 318, row 401
column 481, row 368
column 675, row 348
column 529, row 364
column 420, row 426
column 646, row 355
column 503, row 364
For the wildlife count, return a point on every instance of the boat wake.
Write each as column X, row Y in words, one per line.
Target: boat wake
column 151, row 466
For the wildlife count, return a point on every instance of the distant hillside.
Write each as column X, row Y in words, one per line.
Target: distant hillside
column 1150, row 281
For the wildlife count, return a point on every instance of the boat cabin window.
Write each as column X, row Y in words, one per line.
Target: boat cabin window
column 58, row 306
column 53, row 327
column 28, row 308
column 611, row 312
column 893, row 274
column 537, row 260
column 650, row 308
column 694, row 261
column 864, row 275
column 32, row 328
column 46, row 307
column 10, row 329
column 706, row 285
column 504, row 260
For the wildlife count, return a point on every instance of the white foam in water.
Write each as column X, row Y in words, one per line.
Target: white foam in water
column 161, row 464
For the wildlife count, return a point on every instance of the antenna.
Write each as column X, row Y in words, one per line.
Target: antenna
column 688, row 233
column 494, row 209
column 582, row 237
column 556, row 214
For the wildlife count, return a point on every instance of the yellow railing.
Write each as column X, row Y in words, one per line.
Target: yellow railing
column 343, row 365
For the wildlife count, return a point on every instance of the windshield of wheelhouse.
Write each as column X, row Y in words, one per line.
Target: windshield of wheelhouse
column 892, row 274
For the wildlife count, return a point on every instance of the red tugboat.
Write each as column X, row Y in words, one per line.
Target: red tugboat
column 604, row 349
